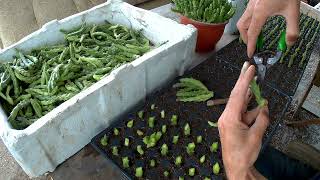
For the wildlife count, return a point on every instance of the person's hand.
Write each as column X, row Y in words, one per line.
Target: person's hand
column 241, row 131
column 256, row 14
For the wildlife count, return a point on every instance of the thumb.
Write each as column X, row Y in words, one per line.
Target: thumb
column 261, row 123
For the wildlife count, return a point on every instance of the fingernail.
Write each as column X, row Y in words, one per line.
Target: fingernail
column 245, row 67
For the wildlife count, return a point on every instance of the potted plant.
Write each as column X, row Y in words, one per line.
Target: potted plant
column 208, row 16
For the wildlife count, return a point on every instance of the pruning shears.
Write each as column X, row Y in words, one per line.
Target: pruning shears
column 264, row 65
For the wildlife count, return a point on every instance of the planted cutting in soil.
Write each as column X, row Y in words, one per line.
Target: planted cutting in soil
column 160, row 161
column 286, row 74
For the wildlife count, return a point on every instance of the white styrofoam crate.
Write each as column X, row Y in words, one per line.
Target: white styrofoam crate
column 52, row 139
column 317, row 7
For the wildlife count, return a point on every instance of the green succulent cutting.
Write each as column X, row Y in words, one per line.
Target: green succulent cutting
column 152, row 163
column 125, row 162
column 152, row 140
column 257, row 93
column 178, row 161
column 104, row 140
column 216, row 168
column 35, row 83
column 139, row 172
column 192, row 90
column 191, row 148
column 164, row 149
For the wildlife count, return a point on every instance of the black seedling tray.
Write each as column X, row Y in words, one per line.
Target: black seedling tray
column 280, row 75
column 218, row 76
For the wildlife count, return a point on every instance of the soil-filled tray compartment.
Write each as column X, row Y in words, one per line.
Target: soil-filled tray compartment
column 313, row 2
column 218, row 76
column 286, row 74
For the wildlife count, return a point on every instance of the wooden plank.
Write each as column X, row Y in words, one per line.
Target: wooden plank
column 312, row 103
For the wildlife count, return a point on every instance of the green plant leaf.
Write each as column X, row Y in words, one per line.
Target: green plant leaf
column 164, row 150
column 213, row 124
column 214, row 147
column 187, row 130
column 130, row 124
column 115, row 151
column 216, row 169
column 174, row 120
column 175, row 139
column 178, row 161
column 257, row 93
column 199, row 139
column 125, row 162
column 203, row 159
column 192, row 172
column 164, row 129
column 152, row 163
column 191, row 148
column 139, row 172
column 166, row 173
column 126, row 142
column 162, row 114
column 139, row 132
column 140, row 150
column 104, row 140
column 140, row 114
column 115, row 131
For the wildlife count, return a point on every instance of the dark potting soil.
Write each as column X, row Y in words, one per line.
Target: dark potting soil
column 218, row 76
column 313, row 2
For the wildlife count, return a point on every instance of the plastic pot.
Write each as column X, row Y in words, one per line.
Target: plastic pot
column 208, row 34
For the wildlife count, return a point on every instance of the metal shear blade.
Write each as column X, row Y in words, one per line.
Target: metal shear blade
column 273, row 60
column 263, row 67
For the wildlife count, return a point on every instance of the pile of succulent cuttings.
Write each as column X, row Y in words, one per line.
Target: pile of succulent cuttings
column 35, row 83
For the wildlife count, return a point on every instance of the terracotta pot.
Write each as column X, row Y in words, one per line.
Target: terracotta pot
column 208, row 34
